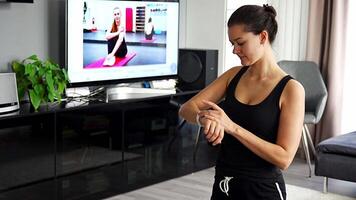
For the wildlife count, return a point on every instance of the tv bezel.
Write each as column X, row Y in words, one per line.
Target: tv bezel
column 122, row 80
column 20, row 1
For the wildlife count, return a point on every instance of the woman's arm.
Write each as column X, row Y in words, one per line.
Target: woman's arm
column 109, row 35
column 291, row 119
column 214, row 92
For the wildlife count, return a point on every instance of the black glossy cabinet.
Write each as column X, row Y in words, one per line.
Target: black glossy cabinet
column 26, row 151
column 94, row 151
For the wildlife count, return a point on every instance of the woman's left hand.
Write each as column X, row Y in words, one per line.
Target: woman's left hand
column 216, row 114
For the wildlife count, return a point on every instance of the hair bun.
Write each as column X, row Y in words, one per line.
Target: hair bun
column 270, row 10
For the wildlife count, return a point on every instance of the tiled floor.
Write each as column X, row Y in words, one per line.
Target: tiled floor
column 196, row 186
column 297, row 174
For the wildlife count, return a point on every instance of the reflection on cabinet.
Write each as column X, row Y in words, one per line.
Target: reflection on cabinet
column 26, row 154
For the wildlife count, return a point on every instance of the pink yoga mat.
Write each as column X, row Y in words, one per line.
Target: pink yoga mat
column 119, row 62
column 148, row 41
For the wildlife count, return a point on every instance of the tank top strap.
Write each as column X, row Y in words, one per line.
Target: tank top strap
column 233, row 83
column 280, row 86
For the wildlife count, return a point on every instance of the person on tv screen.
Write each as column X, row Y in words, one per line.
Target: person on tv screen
column 149, row 29
column 254, row 111
column 115, row 36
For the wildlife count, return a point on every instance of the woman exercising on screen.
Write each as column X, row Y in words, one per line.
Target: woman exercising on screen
column 149, row 29
column 116, row 37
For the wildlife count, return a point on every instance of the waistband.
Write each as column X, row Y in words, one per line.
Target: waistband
column 258, row 175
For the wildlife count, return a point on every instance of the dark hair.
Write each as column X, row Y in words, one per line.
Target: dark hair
column 256, row 19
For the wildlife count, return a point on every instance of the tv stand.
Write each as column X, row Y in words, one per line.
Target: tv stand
column 77, row 139
column 127, row 92
column 77, row 92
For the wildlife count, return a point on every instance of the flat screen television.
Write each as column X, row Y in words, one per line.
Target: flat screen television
column 20, row 1
column 110, row 41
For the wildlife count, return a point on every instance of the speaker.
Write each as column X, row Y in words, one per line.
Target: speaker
column 9, row 100
column 197, row 68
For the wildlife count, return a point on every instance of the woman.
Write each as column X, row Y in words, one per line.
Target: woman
column 149, row 29
column 255, row 111
column 116, row 38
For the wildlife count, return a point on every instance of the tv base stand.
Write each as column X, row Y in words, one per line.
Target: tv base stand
column 125, row 93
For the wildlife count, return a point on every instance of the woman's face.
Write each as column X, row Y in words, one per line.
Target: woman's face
column 117, row 16
column 246, row 45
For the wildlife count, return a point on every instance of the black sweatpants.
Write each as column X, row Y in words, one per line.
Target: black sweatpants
column 246, row 189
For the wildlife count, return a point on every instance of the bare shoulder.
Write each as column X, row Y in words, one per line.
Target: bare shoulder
column 293, row 91
column 295, row 86
column 215, row 91
column 231, row 73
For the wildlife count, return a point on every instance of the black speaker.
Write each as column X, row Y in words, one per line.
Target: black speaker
column 196, row 68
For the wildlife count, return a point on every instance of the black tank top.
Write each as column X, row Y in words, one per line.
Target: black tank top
column 121, row 51
column 262, row 119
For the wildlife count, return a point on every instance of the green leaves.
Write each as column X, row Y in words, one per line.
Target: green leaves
column 35, row 99
column 44, row 81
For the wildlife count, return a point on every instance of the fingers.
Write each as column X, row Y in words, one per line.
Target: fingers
column 210, row 117
column 212, row 122
column 212, row 105
column 213, row 131
column 219, row 138
column 210, row 130
column 210, row 114
column 210, row 126
column 213, row 134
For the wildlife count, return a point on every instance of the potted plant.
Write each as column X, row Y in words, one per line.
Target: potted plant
column 44, row 81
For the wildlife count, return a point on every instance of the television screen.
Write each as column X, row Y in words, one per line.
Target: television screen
column 20, row 1
column 121, row 41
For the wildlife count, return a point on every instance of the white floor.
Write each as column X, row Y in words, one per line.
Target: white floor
column 198, row 186
column 297, row 174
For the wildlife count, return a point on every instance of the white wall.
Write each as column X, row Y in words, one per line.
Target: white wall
column 292, row 19
column 31, row 28
column 291, row 39
column 349, row 96
column 202, row 26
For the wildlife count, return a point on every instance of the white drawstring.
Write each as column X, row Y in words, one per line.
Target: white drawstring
column 279, row 191
column 225, row 187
